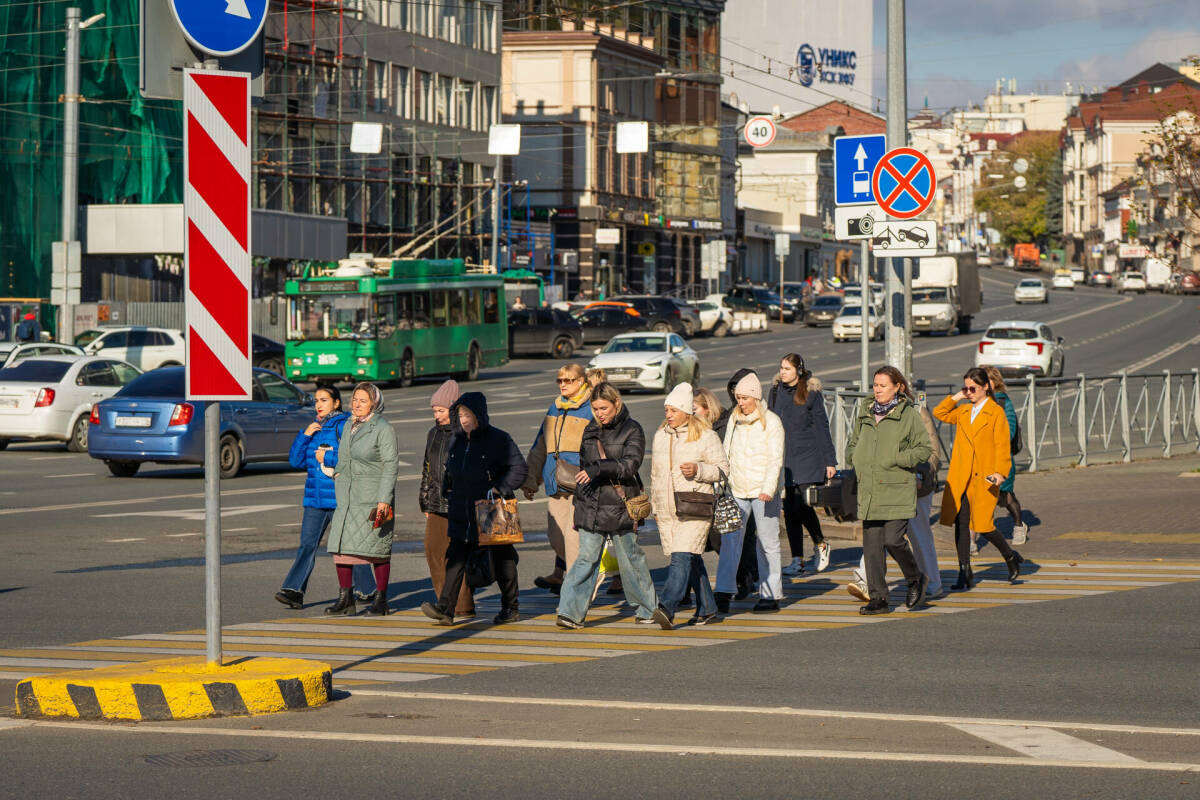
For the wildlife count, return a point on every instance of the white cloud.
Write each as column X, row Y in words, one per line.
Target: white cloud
column 1167, row 45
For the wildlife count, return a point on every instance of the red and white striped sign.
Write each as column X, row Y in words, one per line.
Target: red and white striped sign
column 216, row 202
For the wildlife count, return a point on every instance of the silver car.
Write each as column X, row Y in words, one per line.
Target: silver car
column 657, row 361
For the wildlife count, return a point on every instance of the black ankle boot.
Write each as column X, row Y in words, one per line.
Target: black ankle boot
column 379, row 606
column 723, row 599
column 965, row 578
column 1014, row 566
column 344, row 605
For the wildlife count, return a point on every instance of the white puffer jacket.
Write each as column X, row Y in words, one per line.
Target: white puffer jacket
column 755, row 453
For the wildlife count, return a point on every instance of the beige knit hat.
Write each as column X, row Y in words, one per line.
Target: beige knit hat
column 681, row 398
column 750, row 386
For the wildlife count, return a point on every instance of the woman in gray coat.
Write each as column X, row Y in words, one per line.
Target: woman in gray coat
column 365, row 486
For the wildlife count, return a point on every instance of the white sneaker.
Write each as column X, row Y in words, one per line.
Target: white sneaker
column 974, row 550
column 795, row 568
column 1020, row 534
column 858, row 589
column 822, row 556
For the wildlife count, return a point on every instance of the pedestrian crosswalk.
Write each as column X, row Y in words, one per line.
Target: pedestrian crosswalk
column 405, row 647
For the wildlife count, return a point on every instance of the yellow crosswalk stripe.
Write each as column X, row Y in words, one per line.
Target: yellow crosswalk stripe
column 405, row 646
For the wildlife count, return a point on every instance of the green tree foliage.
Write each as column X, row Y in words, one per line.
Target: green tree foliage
column 1020, row 214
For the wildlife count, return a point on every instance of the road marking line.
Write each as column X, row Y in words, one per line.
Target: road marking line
column 180, row 535
column 238, row 530
column 1043, row 743
column 49, row 458
column 122, row 541
column 72, row 475
column 9, row 724
column 1161, row 354
column 621, row 747
column 142, row 500
column 1134, row 538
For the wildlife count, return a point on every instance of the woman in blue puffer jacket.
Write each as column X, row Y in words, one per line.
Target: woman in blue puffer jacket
column 319, row 499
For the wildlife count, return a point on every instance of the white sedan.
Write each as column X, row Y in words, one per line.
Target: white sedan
column 657, row 361
column 51, row 397
column 848, row 324
column 1131, row 282
column 1063, row 280
column 715, row 317
column 1031, row 290
column 1021, row 347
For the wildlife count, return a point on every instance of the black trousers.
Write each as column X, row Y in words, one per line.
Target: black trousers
column 747, row 574
column 883, row 538
column 504, row 561
column 962, row 534
column 797, row 517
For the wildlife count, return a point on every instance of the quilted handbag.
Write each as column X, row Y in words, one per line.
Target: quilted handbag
column 727, row 517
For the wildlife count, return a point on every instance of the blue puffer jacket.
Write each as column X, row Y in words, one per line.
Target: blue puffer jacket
column 318, row 487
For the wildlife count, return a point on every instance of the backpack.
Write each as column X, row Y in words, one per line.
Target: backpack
column 1015, row 443
column 25, row 331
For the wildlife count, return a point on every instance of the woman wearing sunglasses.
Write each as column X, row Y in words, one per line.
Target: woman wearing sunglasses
column 981, row 459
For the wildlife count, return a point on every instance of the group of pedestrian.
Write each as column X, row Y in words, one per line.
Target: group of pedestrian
column 751, row 462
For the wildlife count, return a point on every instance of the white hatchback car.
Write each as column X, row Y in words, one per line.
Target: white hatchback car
column 51, row 397
column 848, row 324
column 648, row 360
column 1021, row 347
column 12, row 353
column 1031, row 290
column 145, row 348
column 1063, row 280
column 1131, row 282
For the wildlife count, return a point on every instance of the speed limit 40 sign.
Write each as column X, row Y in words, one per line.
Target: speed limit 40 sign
column 759, row 131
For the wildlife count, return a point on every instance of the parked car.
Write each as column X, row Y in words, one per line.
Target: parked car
column 656, row 361
column 663, row 312
column 145, row 348
column 1100, row 278
column 1131, row 281
column 12, row 352
column 150, row 420
column 761, row 300
column 1062, row 280
column 602, row 321
column 267, row 353
column 824, row 310
column 1021, row 348
column 1190, row 283
column 799, row 295
column 1078, row 274
column 88, row 336
column 543, row 331
column 716, row 318
column 1173, row 284
column 847, row 325
column 1031, row 290
column 51, row 397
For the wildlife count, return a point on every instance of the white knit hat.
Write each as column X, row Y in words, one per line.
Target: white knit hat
column 681, row 398
column 750, row 386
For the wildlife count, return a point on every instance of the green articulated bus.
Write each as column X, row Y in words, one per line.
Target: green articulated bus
column 390, row 321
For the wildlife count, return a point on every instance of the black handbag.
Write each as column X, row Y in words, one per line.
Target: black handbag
column 480, row 570
column 838, row 496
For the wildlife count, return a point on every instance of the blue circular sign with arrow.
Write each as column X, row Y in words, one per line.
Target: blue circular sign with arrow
column 221, row 27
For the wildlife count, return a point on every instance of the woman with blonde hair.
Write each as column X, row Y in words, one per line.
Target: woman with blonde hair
column 596, row 376
column 1008, row 497
column 708, row 407
column 554, row 461
column 687, row 460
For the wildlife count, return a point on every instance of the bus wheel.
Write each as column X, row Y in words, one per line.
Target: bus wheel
column 408, row 370
column 472, row 372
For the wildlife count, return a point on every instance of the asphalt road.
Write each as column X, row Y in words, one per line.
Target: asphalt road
column 90, row 557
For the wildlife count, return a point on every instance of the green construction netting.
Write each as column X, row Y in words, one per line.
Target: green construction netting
column 130, row 149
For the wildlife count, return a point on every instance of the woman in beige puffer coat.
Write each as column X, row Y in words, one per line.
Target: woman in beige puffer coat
column 687, row 456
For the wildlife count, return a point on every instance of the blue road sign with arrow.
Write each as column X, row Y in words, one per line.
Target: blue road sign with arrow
column 221, row 27
column 854, row 160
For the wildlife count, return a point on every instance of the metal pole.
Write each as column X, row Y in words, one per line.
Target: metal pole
column 1081, row 426
column 496, row 214
column 1126, row 434
column 782, row 258
column 1031, row 437
column 1166, row 413
column 899, row 275
column 70, row 163
column 212, row 533
column 864, row 271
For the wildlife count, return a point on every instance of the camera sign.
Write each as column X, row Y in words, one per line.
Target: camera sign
column 857, row 222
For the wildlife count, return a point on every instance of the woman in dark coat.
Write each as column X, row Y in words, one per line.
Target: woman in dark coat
column 433, row 504
column 600, row 511
column 808, row 456
column 482, row 459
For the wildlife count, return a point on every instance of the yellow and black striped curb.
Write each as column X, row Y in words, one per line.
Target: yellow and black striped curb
column 178, row 688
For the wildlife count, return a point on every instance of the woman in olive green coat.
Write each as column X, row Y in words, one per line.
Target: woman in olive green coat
column 365, row 487
column 887, row 443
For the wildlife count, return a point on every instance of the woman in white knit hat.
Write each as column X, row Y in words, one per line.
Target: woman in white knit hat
column 754, row 444
column 687, row 460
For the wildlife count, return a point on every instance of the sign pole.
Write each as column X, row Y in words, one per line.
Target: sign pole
column 864, row 271
column 496, row 214
column 899, row 275
column 212, row 533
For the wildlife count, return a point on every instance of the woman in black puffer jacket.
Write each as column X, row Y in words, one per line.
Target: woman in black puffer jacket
column 611, row 454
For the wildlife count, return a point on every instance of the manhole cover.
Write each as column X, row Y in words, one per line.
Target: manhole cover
column 209, row 758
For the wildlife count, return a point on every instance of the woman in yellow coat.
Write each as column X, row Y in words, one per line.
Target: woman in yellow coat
column 980, row 461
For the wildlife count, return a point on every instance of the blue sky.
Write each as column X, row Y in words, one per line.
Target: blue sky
column 958, row 48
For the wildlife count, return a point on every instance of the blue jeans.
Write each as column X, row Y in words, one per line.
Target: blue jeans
column 313, row 525
column 579, row 584
column 687, row 569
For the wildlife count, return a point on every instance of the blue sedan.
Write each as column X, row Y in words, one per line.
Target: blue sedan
column 149, row 420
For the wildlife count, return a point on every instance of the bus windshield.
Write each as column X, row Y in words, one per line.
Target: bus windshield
column 337, row 316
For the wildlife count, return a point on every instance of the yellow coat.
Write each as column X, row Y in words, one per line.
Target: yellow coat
column 980, row 448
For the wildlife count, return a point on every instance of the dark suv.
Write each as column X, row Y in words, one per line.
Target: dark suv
column 543, row 331
column 663, row 313
column 756, row 298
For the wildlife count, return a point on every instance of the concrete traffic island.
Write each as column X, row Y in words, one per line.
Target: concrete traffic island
column 178, row 688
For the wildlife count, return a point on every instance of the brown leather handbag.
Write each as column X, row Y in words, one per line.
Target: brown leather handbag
column 637, row 507
column 498, row 520
column 690, row 506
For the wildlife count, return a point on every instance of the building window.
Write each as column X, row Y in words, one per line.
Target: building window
column 465, row 111
column 376, row 11
column 489, row 28
column 377, row 89
column 445, row 100
column 400, row 16
column 448, row 21
column 420, row 18
column 422, row 95
column 402, row 101
column 351, row 86
column 470, row 24
column 489, row 106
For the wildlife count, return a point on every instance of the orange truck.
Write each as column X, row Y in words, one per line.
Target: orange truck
column 1027, row 256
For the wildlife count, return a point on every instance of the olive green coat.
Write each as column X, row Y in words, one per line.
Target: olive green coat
column 366, row 476
column 885, row 455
